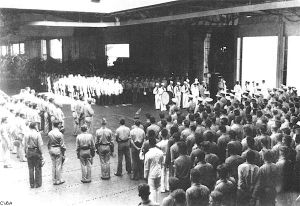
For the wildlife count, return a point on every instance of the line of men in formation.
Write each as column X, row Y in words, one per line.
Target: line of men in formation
column 110, row 89
column 24, row 117
column 19, row 111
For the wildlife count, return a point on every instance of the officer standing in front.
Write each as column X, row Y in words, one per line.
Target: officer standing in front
column 88, row 115
column 57, row 148
column 122, row 138
column 33, row 149
column 85, row 147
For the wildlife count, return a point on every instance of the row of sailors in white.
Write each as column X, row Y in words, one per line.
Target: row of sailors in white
column 48, row 105
column 256, row 87
column 87, row 86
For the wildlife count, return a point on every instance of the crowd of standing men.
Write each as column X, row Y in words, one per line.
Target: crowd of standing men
column 238, row 150
column 242, row 150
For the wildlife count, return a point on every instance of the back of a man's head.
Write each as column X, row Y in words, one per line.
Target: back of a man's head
column 182, row 148
column 201, row 156
column 122, row 121
column 144, row 191
column 195, row 176
column 137, row 123
column 198, row 138
column 84, row 128
column 151, row 133
column 174, row 183
column 56, row 123
column 250, row 157
column 268, row 156
column 179, row 197
column 152, row 141
column 152, row 120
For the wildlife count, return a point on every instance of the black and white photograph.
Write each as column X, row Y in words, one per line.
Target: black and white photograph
column 150, row 102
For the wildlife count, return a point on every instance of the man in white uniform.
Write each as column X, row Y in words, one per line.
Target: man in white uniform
column 195, row 90
column 185, row 95
column 177, row 93
column 156, row 96
column 161, row 90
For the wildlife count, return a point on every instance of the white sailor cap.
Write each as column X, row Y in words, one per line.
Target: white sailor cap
column 171, row 82
column 157, row 84
column 208, row 99
column 178, row 83
column 206, row 92
column 200, row 99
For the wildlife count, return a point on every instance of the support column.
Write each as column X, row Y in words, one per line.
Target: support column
column 280, row 53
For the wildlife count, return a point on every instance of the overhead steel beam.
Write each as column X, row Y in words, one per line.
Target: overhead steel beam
column 73, row 24
column 238, row 9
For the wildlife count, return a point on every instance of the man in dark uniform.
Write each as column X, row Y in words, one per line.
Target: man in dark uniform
column 33, row 148
column 57, row 150
column 123, row 139
column 85, row 147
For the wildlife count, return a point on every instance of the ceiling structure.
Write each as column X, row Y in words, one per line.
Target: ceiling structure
column 15, row 14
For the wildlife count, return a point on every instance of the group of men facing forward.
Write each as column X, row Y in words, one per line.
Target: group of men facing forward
column 233, row 152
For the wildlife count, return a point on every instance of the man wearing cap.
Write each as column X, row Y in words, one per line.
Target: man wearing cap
column 153, row 168
column 221, row 84
column 123, row 140
column 177, row 93
column 33, row 148
column 264, row 89
column 185, row 95
column 79, row 105
column 88, row 115
column 156, row 96
column 238, row 90
column 137, row 136
column 75, row 117
column 170, row 88
column 195, row 90
column 57, row 148
column 161, row 90
column 58, row 114
column 85, row 148
column 5, row 142
column 223, row 99
column 103, row 141
column 51, row 109
column 19, row 131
